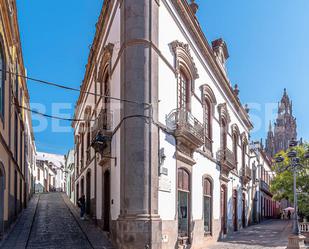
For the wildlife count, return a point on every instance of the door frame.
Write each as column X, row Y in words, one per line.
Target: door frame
column 243, row 210
column 106, row 204
column 235, row 209
column 223, row 207
column 88, row 192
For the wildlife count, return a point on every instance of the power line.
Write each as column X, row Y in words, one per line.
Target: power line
column 74, row 89
column 51, row 116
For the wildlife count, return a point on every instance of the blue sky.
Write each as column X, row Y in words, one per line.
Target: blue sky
column 268, row 42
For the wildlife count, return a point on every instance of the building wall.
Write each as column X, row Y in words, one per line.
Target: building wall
column 109, row 46
column 13, row 125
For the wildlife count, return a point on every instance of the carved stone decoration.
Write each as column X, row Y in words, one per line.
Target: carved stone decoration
column 207, row 92
column 105, row 63
column 223, row 113
column 184, row 59
column 220, row 50
column 243, row 137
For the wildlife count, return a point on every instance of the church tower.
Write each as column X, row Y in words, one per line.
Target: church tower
column 285, row 127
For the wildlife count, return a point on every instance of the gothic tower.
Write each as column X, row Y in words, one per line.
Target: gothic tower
column 285, row 127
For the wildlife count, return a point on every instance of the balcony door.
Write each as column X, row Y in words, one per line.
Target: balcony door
column 183, row 91
column 223, row 136
column 183, row 203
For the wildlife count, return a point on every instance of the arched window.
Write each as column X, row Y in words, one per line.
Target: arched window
column 207, row 202
column 183, row 202
column 2, row 79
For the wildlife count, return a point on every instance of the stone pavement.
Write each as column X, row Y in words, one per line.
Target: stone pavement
column 52, row 222
column 269, row 234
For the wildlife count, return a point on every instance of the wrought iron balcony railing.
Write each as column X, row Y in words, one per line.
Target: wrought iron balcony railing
column 226, row 159
column 264, row 186
column 246, row 174
column 103, row 123
column 186, row 125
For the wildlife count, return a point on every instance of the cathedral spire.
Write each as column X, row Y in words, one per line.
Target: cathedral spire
column 270, row 127
column 285, row 127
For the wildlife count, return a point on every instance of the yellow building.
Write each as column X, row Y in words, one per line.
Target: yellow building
column 14, row 129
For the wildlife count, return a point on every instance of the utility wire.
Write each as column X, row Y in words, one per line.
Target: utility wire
column 74, row 89
column 51, row 116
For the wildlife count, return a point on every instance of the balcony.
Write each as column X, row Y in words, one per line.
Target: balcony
column 226, row 160
column 246, row 175
column 103, row 127
column 187, row 129
column 264, row 186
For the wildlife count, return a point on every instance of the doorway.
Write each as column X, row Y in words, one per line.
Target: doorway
column 2, row 186
column 106, row 199
column 15, row 193
column 223, row 209
column 243, row 210
column 235, row 210
column 88, row 192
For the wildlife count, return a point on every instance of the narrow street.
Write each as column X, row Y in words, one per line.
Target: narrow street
column 51, row 221
column 269, row 234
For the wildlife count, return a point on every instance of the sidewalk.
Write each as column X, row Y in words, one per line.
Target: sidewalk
column 95, row 235
column 19, row 234
column 269, row 234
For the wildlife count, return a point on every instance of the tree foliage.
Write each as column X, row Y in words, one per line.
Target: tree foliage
column 282, row 184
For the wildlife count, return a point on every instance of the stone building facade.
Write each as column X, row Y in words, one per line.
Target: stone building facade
column 284, row 130
column 161, row 138
column 16, row 137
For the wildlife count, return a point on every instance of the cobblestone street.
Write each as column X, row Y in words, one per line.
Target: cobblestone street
column 269, row 234
column 51, row 221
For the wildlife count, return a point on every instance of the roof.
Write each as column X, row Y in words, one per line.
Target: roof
column 57, row 160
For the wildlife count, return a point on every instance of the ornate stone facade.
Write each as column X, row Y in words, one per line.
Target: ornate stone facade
column 284, row 130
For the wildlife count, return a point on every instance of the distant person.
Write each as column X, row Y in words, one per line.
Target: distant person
column 82, row 205
column 289, row 214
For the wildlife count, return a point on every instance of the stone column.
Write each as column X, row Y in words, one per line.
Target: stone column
column 139, row 225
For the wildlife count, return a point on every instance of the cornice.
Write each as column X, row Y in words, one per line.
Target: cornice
column 101, row 26
column 197, row 34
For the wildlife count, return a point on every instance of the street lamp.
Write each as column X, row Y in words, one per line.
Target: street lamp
column 294, row 164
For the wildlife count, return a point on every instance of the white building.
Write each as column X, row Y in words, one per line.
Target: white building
column 172, row 166
column 49, row 173
column 69, row 175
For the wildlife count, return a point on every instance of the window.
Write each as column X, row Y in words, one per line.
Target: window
column 88, row 141
column 77, row 156
column 39, row 175
column 223, row 134
column 82, row 150
column 183, row 202
column 106, row 91
column 183, row 92
column 244, row 149
column 207, row 119
column 235, row 139
column 2, row 80
column 16, row 136
column 207, row 201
